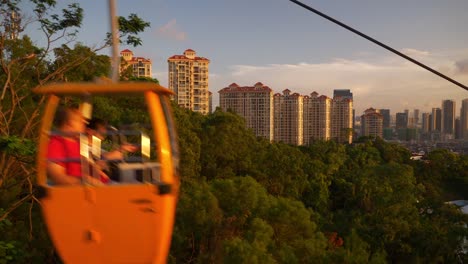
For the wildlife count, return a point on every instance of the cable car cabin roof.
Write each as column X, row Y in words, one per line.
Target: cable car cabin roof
column 101, row 88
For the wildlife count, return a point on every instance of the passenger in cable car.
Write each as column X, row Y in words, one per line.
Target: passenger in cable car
column 64, row 165
column 96, row 129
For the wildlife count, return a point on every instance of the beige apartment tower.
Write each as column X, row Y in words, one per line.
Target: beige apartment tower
column 253, row 103
column 342, row 120
column 188, row 79
column 141, row 66
column 372, row 123
column 288, row 118
column 316, row 118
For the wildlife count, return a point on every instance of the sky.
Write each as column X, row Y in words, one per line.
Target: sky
column 284, row 46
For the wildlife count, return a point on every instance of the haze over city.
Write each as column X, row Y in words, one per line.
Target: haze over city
column 284, row 46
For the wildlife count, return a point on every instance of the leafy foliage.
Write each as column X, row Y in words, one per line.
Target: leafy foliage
column 243, row 199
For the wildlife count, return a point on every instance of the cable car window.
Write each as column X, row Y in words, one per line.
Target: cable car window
column 87, row 145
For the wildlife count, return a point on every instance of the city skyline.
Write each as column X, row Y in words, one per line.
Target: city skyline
column 286, row 47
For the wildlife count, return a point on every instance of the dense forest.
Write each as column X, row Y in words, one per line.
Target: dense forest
column 243, row 199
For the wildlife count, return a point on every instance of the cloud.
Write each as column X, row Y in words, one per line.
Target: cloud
column 171, row 30
column 380, row 83
column 415, row 52
column 462, row 66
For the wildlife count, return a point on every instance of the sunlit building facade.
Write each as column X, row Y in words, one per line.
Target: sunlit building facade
column 316, row 118
column 141, row 67
column 253, row 103
column 288, row 117
column 342, row 120
column 372, row 123
column 188, row 78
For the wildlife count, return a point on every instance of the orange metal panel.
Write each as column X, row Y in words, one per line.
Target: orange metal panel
column 46, row 124
column 70, row 224
column 168, row 201
column 101, row 88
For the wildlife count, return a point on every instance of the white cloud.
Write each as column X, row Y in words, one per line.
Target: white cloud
column 171, row 30
column 414, row 52
column 380, row 83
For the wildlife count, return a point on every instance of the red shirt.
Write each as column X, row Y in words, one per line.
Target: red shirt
column 66, row 153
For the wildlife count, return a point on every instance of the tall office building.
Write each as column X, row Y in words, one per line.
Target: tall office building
column 386, row 117
column 425, row 126
column 188, row 78
column 416, row 117
column 436, row 124
column 343, row 93
column 425, row 122
column 317, row 118
column 401, row 120
column 254, row 103
column 342, row 119
column 458, row 128
column 141, row 67
column 288, row 122
column 464, row 119
column 448, row 118
column 372, row 123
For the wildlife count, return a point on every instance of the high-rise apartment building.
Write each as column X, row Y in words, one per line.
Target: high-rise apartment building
column 188, row 78
column 372, row 123
column 254, row 103
column 386, row 117
column 288, row 117
column 448, row 118
column 317, row 118
column 345, row 94
column 141, row 67
column 464, row 119
column 342, row 119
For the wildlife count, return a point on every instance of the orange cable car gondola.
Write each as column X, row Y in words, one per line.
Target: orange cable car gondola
column 118, row 223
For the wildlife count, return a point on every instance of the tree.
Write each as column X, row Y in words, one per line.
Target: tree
column 227, row 146
column 24, row 66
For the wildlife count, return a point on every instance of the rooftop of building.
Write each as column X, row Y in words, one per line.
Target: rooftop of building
column 258, row 87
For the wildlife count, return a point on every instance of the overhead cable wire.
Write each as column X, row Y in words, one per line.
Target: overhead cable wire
column 379, row 43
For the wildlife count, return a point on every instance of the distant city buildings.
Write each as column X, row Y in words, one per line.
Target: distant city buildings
column 141, row 67
column 188, row 78
column 290, row 117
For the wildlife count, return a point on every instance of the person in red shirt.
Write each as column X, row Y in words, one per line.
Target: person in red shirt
column 64, row 160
